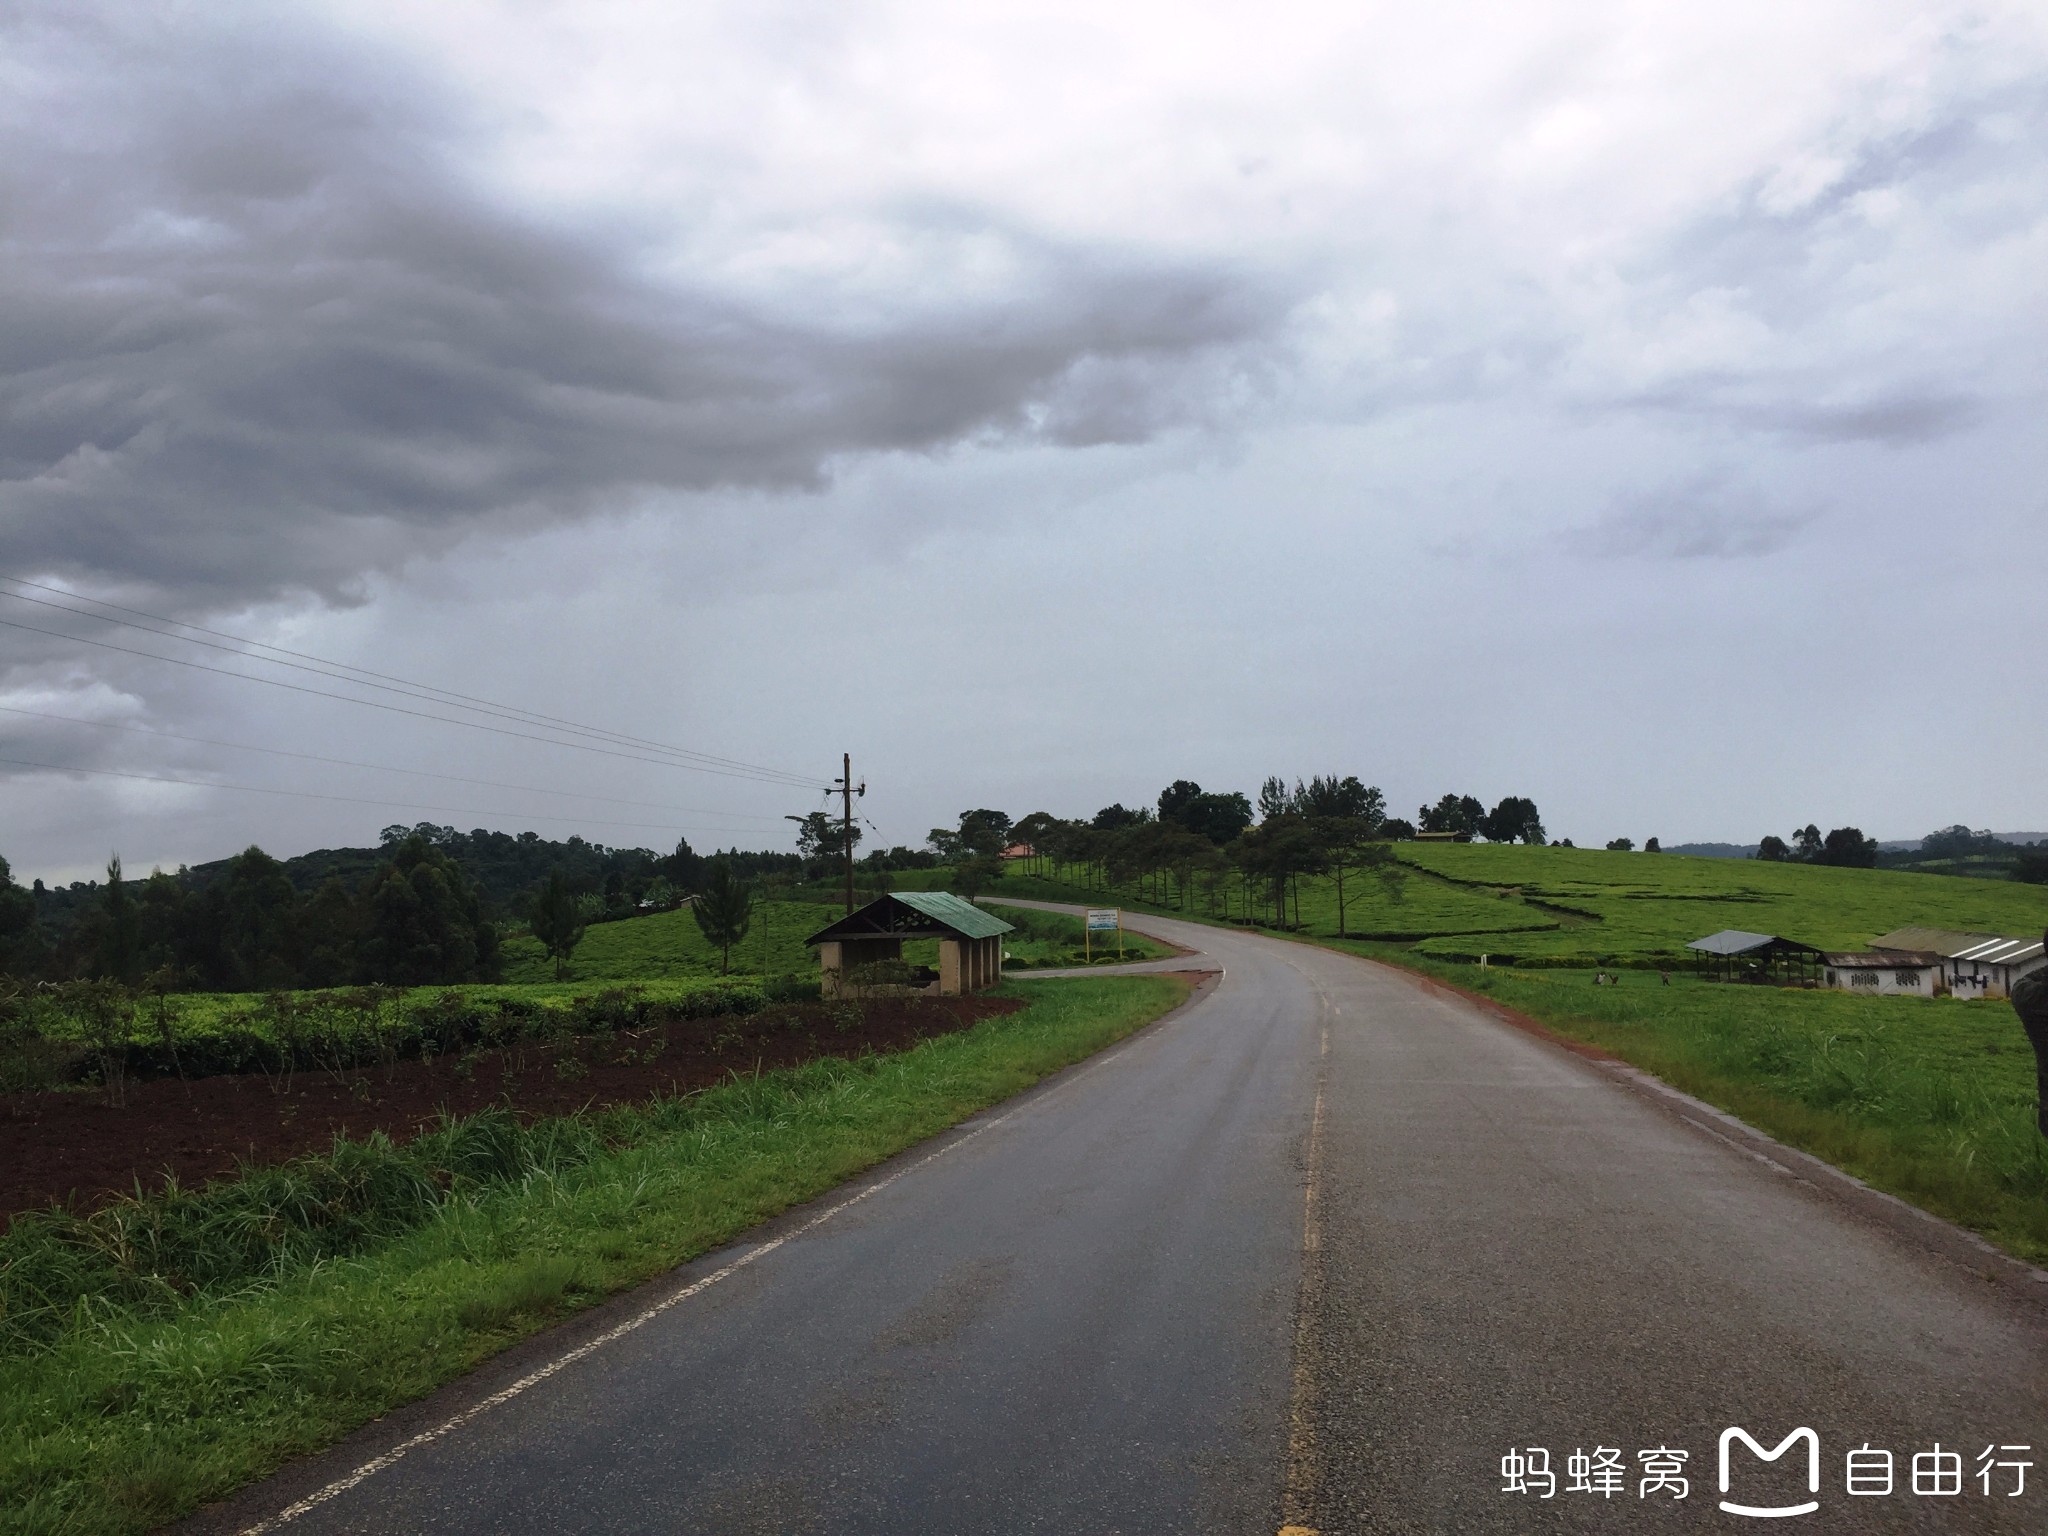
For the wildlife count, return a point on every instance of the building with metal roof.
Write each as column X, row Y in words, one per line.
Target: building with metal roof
column 1884, row 972
column 1736, row 955
column 970, row 941
column 1974, row 964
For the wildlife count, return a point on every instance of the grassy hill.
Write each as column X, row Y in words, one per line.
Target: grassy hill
column 668, row 945
column 1582, row 906
column 1612, row 907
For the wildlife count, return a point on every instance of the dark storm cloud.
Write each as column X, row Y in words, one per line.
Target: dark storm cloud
column 1704, row 520
column 1896, row 418
column 264, row 336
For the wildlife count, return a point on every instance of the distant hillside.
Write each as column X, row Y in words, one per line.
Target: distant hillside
column 503, row 865
column 1714, row 850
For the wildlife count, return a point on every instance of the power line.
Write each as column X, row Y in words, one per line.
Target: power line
column 384, row 682
column 343, row 762
column 397, row 709
column 397, row 805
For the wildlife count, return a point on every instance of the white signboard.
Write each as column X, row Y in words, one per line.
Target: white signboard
column 1102, row 920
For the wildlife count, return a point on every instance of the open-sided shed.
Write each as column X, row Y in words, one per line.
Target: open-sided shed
column 970, row 940
column 1733, row 955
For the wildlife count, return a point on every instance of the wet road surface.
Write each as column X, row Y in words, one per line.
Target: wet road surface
column 1130, row 1301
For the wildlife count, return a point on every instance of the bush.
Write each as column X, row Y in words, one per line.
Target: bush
column 88, row 1029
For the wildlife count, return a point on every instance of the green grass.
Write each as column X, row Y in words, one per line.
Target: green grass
column 1587, row 907
column 669, row 946
column 139, row 1410
column 1646, row 906
column 1050, row 939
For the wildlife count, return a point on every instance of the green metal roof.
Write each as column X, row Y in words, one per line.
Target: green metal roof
column 940, row 908
column 956, row 912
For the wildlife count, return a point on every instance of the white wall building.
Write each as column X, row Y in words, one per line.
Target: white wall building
column 1972, row 964
column 1883, row 972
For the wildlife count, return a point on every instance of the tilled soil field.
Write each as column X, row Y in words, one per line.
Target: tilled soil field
column 75, row 1148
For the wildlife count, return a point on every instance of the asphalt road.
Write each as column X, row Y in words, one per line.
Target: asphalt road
column 1320, row 1249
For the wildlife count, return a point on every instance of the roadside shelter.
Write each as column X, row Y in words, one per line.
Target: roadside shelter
column 1733, row 955
column 1973, row 964
column 970, row 940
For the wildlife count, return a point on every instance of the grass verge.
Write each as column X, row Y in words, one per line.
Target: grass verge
column 134, row 1415
column 1056, row 939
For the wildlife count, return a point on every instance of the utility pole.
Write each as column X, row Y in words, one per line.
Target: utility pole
column 847, row 790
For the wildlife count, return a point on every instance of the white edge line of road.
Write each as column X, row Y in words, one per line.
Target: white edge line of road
column 640, row 1319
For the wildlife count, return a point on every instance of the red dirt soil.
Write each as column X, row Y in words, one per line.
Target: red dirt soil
column 74, row 1148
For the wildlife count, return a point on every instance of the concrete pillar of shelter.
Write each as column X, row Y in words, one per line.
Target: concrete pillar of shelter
column 995, row 949
column 950, row 967
column 831, row 967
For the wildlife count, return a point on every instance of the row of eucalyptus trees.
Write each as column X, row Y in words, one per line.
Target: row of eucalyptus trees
column 1213, row 854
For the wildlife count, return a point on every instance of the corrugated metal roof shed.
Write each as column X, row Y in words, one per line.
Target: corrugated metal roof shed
column 1733, row 941
column 1985, row 948
column 957, row 913
column 912, row 913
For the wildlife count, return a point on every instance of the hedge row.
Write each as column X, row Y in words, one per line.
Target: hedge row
column 91, row 1031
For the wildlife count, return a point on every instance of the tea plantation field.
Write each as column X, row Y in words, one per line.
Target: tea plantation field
column 1622, row 908
column 1549, row 906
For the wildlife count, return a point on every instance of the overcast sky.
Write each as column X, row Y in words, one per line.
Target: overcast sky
column 1635, row 407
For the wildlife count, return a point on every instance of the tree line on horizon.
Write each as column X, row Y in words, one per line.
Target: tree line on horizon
column 1220, row 845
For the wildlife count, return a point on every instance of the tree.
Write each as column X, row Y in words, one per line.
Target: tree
column 2032, row 865
column 557, row 921
column 725, row 911
column 17, row 923
column 984, row 832
column 1848, row 848
column 1773, row 848
column 1515, row 819
column 1959, row 842
column 1653, row 846
column 1348, row 848
column 255, row 910
column 1274, row 800
column 1037, row 832
column 1622, row 845
column 1114, row 818
column 1456, row 814
column 1395, row 830
column 976, row 873
column 1220, row 816
column 424, row 921
column 1344, row 799
column 1176, row 798
column 822, row 840
column 981, row 834
column 1279, row 850
column 118, row 946
column 683, row 869
column 1807, row 844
